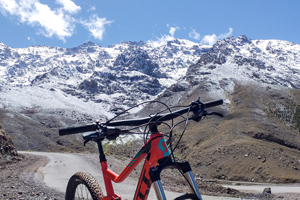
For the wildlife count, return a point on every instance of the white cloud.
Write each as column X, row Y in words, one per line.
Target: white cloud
column 173, row 30
column 92, row 8
column 226, row 35
column 212, row 39
column 31, row 39
column 164, row 38
column 53, row 22
column 193, row 34
column 96, row 26
column 8, row 6
column 209, row 39
column 50, row 22
column 160, row 41
column 69, row 6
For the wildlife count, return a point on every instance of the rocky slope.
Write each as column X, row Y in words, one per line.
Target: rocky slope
column 7, row 148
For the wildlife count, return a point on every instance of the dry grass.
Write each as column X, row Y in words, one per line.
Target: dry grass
column 250, row 143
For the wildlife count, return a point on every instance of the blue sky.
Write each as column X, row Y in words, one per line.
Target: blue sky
column 70, row 23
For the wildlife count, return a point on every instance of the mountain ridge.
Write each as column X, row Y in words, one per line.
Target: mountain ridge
column 133, row 72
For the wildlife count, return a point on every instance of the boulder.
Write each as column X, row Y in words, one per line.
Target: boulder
column 267, row 190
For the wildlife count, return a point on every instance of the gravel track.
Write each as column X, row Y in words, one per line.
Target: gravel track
column 40, row 175
column 21, row 179
column 62, row 166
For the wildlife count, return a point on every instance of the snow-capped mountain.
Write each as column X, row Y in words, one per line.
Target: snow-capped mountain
column 113, row 78
column 119, row 76
column 21, row 66
column 267, row 61
column 125, row 74
column 273, row 63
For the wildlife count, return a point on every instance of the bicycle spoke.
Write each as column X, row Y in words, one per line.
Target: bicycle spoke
column 82, row 192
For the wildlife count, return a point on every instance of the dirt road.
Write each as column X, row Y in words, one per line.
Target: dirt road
column 62, row 166
column 275, row 188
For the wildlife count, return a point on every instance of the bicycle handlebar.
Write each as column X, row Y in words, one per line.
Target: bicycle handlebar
column 195, row 106
column 80, row 129
column 213, row 104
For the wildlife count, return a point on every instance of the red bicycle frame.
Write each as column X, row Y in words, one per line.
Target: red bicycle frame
column 156, row 152
column 155, row 147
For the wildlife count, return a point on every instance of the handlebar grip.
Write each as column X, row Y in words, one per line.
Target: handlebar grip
column 74, row 130
column 213, row 104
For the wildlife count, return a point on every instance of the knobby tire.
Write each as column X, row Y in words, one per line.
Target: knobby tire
column 83, row 185
column 187, row 197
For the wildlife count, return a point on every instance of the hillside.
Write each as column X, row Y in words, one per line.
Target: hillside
column 47, row 88
column 258, row 139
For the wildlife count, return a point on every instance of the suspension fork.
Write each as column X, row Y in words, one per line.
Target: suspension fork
column 183, row 166
column 192, row 183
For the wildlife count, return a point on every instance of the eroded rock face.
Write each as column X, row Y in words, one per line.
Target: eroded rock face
column 7, row 147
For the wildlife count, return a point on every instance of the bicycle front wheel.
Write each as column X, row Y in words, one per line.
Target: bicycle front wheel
column 83, row 185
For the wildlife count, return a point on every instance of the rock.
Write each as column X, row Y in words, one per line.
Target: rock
column 6, row 145
column 267, row 190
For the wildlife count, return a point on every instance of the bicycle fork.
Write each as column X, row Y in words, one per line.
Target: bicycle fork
column 187, row 172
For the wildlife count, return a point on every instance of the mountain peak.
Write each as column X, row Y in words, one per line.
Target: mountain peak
column 243, row 39
column 131, row 43
column 174, row 41
column 89, row 44
column 2, row 46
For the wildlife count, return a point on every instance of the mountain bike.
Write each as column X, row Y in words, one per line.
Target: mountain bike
column 158, row 155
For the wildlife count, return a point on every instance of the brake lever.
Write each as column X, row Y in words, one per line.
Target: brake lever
column 202, row 113
column 86, row 141
column 91, row 136
column 215, row 113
